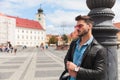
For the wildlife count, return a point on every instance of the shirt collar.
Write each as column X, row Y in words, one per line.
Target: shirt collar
column 87, row 43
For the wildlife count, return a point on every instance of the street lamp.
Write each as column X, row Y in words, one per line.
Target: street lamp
column 105, row 32
column 63, row 27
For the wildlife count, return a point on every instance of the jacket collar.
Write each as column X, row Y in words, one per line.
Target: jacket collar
column 94, row 42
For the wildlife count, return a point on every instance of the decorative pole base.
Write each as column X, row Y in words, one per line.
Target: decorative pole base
column 105, row 32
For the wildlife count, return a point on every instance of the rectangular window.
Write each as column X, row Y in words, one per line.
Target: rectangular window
column 22, row 31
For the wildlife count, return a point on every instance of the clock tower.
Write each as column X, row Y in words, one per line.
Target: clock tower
column 40, row 17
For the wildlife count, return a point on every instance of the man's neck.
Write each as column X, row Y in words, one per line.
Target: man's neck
column 84, row 39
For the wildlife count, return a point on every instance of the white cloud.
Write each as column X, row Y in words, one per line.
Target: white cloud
column 14, row 7
column 64, row 13
column 51, row 29
column 116, row 11
column 59, row 30
column 74, row 4
column 60, row 17
column 23, row 3
column 68, row 4
column 32, row 3
column 8, row 8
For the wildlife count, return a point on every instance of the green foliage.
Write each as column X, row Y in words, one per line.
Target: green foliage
column 65, row 38
column 53, row 40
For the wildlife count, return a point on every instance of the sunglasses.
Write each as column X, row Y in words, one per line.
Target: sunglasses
column 79, row 26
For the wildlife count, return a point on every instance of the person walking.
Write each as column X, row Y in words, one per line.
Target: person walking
column 15, row 49
column 10, row 47
column 42, row 46
column 86, row 58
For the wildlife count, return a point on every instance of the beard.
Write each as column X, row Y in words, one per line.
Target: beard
column 83, row 33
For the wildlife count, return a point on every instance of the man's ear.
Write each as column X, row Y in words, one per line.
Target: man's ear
column 90, row 25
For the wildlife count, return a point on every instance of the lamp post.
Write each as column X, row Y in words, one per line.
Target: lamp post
column 63, row 27
column 105, row 32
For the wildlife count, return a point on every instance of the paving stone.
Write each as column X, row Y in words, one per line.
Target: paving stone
column 48, row 65
column 51, row 73
column 45, row 61
column 12, row 62
column 43, row 57
column 5, row 75
column 19, row 58
column 9, row 67
column 42, row 67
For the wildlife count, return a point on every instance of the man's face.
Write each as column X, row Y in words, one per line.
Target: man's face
column 82, row 28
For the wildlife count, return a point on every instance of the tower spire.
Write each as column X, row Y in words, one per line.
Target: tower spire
column 40, row 10
column 40, row 17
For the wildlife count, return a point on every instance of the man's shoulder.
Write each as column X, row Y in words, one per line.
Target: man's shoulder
column 97, row 46
column 73, row 42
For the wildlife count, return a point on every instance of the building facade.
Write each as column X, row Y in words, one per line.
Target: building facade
column 21, row 32
column 7, row 29
column 117, row 25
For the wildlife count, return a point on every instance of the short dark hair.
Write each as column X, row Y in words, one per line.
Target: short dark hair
column 87, row 19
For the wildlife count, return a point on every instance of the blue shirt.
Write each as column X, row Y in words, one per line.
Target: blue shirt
column 79, row 51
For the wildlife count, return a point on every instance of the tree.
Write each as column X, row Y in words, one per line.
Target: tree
column 65, row 38
column 53, row 40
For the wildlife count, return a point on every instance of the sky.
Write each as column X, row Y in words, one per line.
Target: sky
column 59, row 14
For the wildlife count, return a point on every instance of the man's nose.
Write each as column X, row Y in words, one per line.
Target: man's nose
column 77, row 29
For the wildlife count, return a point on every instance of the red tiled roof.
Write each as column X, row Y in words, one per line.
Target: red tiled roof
column 20, row 22
column 117, row 24
column 2, row 14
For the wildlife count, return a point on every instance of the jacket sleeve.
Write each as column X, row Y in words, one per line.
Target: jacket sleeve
column 98, row 70
column 68, row 56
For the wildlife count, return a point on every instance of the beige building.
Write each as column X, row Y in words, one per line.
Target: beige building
column 20, row 31
column 7, row 29
column 118, row 26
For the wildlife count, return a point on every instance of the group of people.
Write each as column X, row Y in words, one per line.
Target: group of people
column 8, row 48
column 42, row 46
column 86, row 58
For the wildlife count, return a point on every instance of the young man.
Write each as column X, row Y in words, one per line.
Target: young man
column 86, row 58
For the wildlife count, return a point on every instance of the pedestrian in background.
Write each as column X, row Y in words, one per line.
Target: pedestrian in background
column 42, row 46
column 46, row 46
column 86, row 58
column 15, row 50
column 10, row 47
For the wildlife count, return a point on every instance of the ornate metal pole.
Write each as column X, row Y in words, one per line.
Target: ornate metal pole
column 105, row 32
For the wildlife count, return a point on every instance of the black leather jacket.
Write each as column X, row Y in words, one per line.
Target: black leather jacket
column 93, row 66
